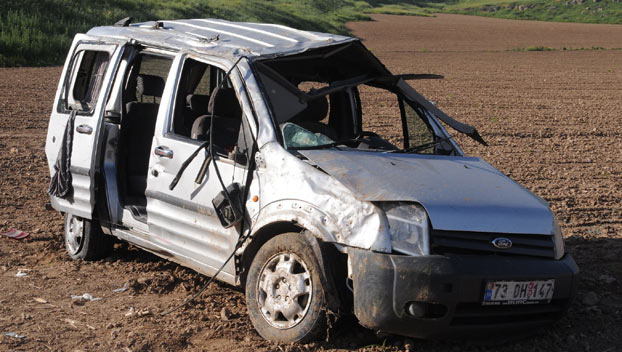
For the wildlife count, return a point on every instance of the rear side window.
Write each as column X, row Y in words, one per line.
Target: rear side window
column 85, row 81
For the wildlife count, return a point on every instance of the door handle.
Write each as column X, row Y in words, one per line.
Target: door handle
column 84, row 129
column 164, row 152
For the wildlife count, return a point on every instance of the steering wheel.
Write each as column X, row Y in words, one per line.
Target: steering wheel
column 371, row 140
column 367, row 134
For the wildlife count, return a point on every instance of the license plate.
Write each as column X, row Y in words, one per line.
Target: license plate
column 518, row 292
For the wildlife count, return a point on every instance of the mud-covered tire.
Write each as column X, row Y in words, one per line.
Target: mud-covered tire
column 85, row 240
column 285, row 297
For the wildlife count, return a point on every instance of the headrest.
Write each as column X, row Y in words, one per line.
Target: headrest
column 316, row 110
column 225, row 102
column 198, row 103
column 150, row 85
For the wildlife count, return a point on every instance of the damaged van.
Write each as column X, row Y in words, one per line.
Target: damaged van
column 295, row 165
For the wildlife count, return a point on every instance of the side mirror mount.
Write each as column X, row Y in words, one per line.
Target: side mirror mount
column 229, row 214
column 237, row 156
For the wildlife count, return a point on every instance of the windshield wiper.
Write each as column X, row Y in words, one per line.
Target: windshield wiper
column 421, row 147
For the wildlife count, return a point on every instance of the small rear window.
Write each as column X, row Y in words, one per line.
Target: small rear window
column 85, row 82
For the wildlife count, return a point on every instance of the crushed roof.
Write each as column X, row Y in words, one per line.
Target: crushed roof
column 223, row 38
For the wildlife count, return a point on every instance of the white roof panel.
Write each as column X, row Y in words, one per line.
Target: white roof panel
column 223, row 38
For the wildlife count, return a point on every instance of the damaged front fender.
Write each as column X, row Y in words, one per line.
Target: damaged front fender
column 302, row 214
column 294, row 191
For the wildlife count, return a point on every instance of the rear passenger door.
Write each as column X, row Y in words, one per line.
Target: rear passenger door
column 182, row 220
column 83, row 88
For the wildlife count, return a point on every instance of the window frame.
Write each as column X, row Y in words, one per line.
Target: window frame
column 169, row 123
column 63, row 106
column 401, row 100
column 418, row 110
column 130, row 71
column 250, row 119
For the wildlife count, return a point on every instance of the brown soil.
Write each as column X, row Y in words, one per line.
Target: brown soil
column 551, row 119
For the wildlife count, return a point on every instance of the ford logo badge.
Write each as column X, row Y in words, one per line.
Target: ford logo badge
column 502, row 243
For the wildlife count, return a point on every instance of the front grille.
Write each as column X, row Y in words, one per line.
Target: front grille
column 457, row 242
column 476, row 314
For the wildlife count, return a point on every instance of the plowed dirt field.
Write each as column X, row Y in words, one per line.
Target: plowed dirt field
column 552, row 119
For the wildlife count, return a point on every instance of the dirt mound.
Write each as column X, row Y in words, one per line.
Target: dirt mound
column 551, row 119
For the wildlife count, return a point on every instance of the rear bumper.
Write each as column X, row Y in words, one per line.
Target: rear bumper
column 451, row 289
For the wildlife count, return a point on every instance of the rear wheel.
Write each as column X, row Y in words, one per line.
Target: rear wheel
column 84, row 239
column 284, row 295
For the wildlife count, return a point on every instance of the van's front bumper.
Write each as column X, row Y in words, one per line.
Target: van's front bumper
column 449, row 291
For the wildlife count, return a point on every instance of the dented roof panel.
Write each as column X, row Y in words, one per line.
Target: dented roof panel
column 223, row 38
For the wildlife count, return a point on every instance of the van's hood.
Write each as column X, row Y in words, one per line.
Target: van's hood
column 459, row 193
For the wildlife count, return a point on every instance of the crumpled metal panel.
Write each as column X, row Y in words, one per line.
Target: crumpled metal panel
column 293, row 190
column 266, row 133
column 459, row 193
column 235, row 39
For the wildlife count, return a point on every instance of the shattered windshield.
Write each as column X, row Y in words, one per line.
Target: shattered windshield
column 362, row 118
column 343, row 97
column 298, row 137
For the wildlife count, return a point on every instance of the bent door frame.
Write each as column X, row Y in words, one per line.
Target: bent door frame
column 87, row 127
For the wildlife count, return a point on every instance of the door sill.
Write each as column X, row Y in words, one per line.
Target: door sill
column 132, row 222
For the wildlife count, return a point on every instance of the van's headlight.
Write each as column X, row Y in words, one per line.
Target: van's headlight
column 408, row 226
column 558, row 239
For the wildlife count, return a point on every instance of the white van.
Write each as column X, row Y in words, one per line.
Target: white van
column 296, row 165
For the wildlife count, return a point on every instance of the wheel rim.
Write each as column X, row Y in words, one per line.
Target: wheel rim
column 74, row 234
column 284, row 290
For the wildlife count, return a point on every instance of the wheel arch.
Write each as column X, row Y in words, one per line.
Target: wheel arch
column 259, row 238
column 332, row 262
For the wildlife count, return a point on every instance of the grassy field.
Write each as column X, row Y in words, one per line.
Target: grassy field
column 582, row 11
column 38, row 32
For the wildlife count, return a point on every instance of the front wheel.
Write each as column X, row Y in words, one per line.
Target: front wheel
column 85, row 240
column 284, row 295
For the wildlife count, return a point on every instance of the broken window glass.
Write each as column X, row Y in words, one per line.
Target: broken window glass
column 81, row 91
column 343, row 96
column 297, row 137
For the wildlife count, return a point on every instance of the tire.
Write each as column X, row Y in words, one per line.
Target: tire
column 85, row 240
column 284, row 294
